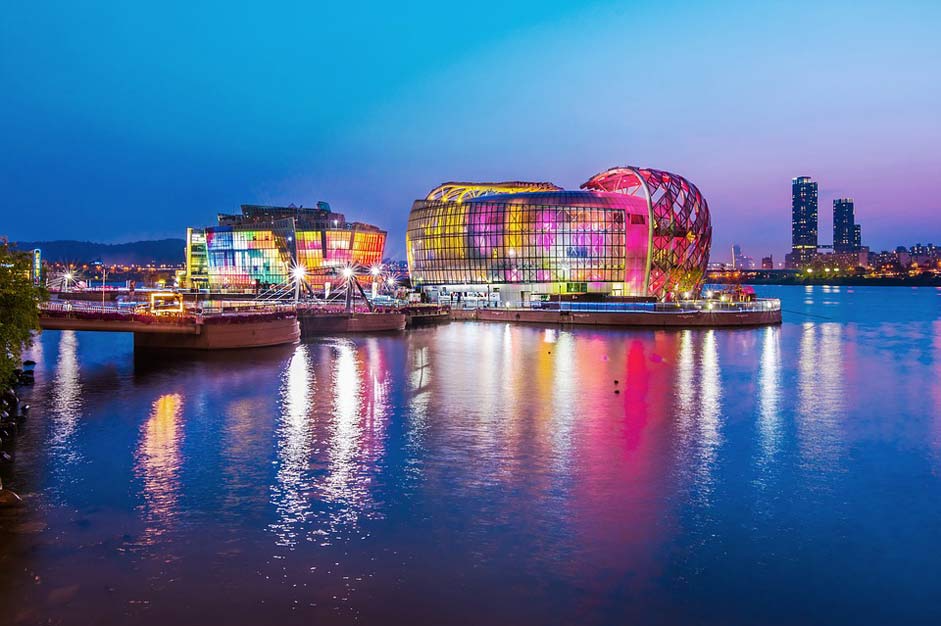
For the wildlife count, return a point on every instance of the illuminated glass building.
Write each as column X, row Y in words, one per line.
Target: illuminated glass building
column 627, row 232
column 846, row 232
column 260, row 246
column 803, row 221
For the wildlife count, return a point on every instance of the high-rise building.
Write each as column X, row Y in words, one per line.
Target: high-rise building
column 857, row 238
column 844, row 226
column 767, row 262
column 803, row 221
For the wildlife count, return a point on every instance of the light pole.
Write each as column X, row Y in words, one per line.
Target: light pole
column 104, row 273
column 375, row 271
column 299, row 273
column 348, row 276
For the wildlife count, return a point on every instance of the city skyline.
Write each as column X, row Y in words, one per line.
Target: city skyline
column 112, row 121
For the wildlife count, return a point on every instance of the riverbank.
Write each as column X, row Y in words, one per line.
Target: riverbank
column 922, row 280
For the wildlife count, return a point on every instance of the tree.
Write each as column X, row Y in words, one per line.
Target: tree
column 19, row 310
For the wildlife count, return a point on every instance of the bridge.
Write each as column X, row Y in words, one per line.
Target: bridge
column 237, row 326
column 78, row 315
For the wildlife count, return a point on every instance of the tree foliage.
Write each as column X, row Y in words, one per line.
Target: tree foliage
column 19, row 312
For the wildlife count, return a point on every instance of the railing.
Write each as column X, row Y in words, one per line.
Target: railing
column 688, row 306
column 85, row 306
column 140, row 312
column 240, row 308
column 96, row 312
column 326, row 308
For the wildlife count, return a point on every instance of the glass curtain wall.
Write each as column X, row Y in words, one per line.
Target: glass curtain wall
column 529, row 238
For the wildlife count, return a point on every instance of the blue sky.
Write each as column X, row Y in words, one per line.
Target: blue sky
column 122, row 121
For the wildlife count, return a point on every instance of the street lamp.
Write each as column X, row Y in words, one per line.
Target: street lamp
column 375, row 270
column 298, row 272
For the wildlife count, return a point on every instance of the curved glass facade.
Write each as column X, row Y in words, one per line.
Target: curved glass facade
column 628, row 232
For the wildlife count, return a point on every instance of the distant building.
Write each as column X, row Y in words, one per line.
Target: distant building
column 767, row 262
column 846, row 232
column 846, row 261
column 741, row 261
column 263, row 244
column 898, row 259
column 925, row 250
column 803, row 221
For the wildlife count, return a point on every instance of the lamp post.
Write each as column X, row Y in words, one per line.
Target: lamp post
column 348, row 275
column 375, row 271
column 299, row 272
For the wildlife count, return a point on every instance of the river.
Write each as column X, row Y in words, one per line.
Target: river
column 476, row 473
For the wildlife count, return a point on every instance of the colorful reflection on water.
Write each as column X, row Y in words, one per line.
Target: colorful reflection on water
column 473, row 473
column 158, row 465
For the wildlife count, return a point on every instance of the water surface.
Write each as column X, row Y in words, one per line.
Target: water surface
column 489, row 473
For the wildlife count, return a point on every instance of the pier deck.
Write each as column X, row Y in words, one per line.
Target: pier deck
column 696, row 314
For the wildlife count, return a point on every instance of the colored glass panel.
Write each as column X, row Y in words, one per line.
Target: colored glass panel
column 633, row 231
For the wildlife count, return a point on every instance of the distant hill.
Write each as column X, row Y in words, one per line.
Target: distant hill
column 159, row 251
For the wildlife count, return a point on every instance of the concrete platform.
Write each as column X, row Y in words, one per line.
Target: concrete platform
column 313, row 325
column 225, row 336
column 679, row 319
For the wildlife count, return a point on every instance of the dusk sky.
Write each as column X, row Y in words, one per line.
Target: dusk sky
column 121, row 122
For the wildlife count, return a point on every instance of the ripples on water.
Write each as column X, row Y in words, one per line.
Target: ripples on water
column 492, row 473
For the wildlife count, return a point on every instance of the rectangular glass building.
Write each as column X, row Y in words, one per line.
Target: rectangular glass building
column 258, row 248
column 844, row 226
column 803, row 221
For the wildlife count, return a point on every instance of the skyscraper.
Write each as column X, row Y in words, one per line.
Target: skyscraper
column 844, row 226
column 803, row 220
